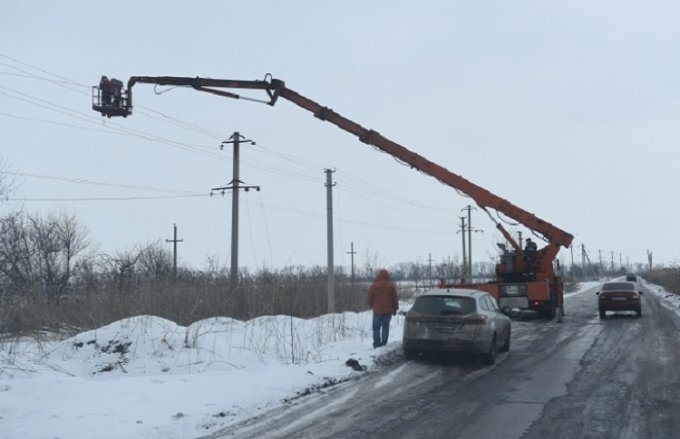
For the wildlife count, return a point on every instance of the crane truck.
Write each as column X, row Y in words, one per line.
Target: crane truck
column 526, row 279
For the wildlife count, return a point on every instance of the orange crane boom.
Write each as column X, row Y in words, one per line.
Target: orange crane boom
column 509, row 271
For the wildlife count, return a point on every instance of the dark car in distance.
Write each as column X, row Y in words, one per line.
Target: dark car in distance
column 619, row 296
column 456, row 320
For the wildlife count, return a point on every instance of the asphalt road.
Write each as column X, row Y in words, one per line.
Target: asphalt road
column 582, row 378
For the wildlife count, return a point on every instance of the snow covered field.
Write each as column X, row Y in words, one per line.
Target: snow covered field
column 146, row 377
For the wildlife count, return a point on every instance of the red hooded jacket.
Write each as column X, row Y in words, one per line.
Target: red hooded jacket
column 382, row 294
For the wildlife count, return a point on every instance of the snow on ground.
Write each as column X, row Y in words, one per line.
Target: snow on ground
column 670, row 300
column 147, row 377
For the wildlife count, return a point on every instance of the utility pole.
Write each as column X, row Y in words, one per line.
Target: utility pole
column 649, row 259
column 571, row 249
column 600, row 254
column 612, row 253
column 469, row 248
column 429, row 268
column 352, row 253
column 462, row 232
column 520, row 239
column 174, row 241
column 583, row 261
column 329, row 235
column 234, row 186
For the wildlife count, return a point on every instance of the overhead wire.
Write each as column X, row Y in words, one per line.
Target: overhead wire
column 362, row 189
column 64, row 199
column 99, row 183
column 266, row 229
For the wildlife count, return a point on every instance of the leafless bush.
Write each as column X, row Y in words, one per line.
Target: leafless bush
column 51, row 278
column 667, row 277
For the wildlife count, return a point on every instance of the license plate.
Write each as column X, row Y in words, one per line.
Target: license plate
column 619, row 298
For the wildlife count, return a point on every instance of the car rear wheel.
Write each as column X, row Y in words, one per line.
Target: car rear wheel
column 639, row 312
column 506, row 345
column 410, row 355
column 490, row 357
column 603, row 313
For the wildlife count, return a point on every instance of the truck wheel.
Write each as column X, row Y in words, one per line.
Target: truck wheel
column 551, row 309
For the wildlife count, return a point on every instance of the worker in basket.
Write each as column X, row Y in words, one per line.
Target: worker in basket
column 116, row 91
column 105, row 86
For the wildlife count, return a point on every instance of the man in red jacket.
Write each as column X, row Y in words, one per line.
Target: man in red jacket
column 382, row 298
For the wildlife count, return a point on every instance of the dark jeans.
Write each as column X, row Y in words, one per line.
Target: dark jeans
column 381, row 322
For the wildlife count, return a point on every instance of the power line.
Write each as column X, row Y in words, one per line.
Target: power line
column 98, row 183
column 361, row 188
column 159, row 197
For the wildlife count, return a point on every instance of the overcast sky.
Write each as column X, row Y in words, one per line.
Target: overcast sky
column 566, row 109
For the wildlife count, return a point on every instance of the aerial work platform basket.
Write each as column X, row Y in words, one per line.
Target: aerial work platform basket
column 111, row 99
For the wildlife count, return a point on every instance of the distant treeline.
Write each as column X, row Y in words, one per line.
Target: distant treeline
column 51, row 277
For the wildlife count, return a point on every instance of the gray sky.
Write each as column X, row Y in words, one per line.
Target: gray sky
column 566, row 109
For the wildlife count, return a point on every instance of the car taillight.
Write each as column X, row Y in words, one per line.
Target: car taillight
column 477, row 319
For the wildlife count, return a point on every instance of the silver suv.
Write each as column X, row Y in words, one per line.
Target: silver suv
column 456, row 320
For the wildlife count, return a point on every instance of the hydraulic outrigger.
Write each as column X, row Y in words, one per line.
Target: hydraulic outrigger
column 522, row 282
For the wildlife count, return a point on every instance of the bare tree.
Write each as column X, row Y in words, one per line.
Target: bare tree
column 372, row 264
column 155, row 261
column 56, row 241
column 123, row 268
column 16, row 253
column 6, row 180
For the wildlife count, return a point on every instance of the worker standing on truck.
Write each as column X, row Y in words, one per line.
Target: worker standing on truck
column 530, row 250
column 382, row 298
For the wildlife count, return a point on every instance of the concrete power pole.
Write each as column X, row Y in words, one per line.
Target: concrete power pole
column 329, row 234
column 600, row 266
column 462, row 232
column 174, row 241
column 571, row 249
column 649, row 259
column 469, row 248
column 352, row 253
column 234, row 186
column 583, row 261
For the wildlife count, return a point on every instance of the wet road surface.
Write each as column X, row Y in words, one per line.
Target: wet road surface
column 582, row 378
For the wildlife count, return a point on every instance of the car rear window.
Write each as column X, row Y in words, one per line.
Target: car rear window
column 618, row 286
column 443, row 305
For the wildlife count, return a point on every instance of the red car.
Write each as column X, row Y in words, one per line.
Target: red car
column 619, row 296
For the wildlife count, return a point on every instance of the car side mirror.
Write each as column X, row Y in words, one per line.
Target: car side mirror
column 640, row 292
column 598, row 293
